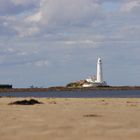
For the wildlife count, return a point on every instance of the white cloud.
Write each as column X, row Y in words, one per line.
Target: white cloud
column 64, row 12
column 26, row 31
column 24, row 2
column 34, row 18
column 42, row 63
column 130, row 6
column 80, row 42
column 51, row 15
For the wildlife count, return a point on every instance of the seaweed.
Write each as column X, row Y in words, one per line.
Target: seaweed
column 26, row 102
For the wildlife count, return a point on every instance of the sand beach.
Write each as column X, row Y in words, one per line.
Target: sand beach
column 70, row 119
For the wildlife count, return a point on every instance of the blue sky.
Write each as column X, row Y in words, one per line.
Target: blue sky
column 53, row 42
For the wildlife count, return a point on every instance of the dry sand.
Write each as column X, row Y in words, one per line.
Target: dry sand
column 71, row 119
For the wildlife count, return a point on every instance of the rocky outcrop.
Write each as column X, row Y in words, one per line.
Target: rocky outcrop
column 77, row 84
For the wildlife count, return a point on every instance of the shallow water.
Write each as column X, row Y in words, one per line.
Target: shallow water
column 77, row 94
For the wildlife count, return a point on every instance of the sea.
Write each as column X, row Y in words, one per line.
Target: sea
column 77, row 94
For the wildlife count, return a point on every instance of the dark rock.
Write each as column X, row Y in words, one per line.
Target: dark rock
column 26, row 102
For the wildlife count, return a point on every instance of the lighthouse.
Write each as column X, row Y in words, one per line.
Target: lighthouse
column 99, row 75
column 98, row 81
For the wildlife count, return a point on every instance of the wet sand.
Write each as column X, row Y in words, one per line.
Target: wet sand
column 70, row 119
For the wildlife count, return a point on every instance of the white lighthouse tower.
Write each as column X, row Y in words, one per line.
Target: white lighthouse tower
column 99, row 75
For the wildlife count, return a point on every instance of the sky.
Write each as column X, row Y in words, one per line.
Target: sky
column 53, row 42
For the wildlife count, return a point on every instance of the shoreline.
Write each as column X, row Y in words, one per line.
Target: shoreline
column 68, row 89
